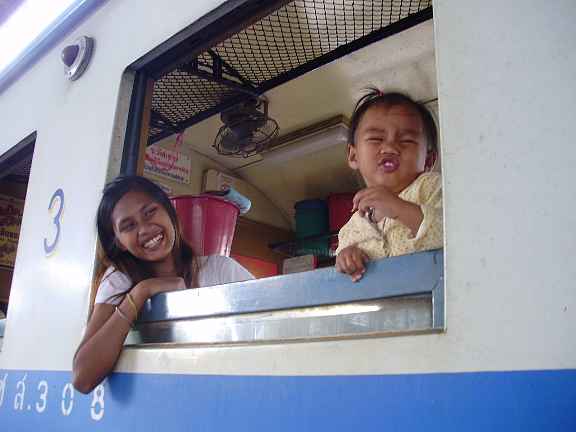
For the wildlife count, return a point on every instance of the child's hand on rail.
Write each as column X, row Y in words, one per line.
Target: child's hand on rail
column 351, row 260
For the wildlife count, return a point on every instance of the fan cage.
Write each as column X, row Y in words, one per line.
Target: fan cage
column 265, row 135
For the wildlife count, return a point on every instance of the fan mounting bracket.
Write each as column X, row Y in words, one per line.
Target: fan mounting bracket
column 219, row 71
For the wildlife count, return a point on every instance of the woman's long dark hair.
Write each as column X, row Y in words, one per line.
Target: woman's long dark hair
column 111, row 255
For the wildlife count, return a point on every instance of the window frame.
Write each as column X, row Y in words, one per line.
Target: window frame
column 156, row 320
column 302, row 306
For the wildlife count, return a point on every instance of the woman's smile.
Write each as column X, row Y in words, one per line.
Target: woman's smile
column 154, row 242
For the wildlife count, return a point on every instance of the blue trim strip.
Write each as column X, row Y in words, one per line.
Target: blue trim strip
column 481, row 401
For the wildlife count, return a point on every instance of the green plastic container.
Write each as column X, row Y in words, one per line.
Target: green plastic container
column 312, row 220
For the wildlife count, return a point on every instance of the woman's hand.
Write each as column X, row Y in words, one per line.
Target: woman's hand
column 351, row 260
column 150, row 287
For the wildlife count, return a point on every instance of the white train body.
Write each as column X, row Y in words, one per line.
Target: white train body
column 506, row 358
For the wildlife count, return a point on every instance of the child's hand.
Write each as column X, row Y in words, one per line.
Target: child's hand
column 351, row 260
column 376, row 203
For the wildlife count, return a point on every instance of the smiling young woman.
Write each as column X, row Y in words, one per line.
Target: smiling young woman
column 143, row 254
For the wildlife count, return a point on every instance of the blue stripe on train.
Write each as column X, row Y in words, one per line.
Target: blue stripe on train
column 482, row 401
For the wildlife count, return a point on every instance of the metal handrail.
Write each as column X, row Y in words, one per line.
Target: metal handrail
column 409, row 275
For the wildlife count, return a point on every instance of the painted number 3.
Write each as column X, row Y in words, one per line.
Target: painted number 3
column 58, row 196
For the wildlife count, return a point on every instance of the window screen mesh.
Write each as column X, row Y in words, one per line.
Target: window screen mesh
column 276, row 49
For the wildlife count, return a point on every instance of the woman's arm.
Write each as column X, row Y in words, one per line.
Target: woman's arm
column 103, row 341
column 107, row 330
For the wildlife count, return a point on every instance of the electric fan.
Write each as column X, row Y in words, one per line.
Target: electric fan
column 247, row 129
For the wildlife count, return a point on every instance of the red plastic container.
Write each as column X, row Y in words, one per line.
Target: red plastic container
column 339, row 212
column 208, row 223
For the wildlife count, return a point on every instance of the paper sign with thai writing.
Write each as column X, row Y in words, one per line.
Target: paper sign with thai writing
column 168, row 164
column 11, row 210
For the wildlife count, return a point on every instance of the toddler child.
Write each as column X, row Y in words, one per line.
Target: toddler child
column 392, row 143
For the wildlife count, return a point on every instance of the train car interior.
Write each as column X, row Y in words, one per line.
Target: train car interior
column 285, row 148
column 266, row 112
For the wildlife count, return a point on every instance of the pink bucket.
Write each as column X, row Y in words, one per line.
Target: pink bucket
column 208, row 223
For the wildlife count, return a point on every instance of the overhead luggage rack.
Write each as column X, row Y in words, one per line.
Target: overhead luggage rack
column 298, row 37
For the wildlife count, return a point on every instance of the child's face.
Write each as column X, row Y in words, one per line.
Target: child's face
column 143, row 228
column 390, row 147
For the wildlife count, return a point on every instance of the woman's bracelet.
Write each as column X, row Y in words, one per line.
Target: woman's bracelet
column 132, row 304
column 123, row 316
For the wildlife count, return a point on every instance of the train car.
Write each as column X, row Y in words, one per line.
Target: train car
column 478, row 335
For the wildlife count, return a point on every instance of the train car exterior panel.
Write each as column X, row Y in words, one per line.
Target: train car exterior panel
column 506, row 91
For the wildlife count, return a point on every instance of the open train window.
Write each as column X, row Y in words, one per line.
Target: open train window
column 14, row 174
column 264, row 109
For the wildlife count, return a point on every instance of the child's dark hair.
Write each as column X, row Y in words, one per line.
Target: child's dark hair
column 377, row 97
column 124, row 261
